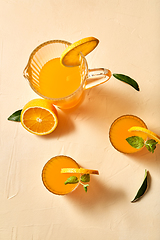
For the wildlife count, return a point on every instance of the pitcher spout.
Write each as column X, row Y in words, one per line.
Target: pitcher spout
column 25, row 72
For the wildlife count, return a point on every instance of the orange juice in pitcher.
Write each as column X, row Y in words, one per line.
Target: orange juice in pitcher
column 58, row 81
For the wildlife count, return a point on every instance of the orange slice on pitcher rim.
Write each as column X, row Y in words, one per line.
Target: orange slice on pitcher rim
column 39, row 117
column 79, row 170
column 72, row 54
column 149, row 133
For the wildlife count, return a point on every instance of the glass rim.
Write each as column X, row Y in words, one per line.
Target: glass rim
column 44, row 183
column 116, row 120
column 127, row 115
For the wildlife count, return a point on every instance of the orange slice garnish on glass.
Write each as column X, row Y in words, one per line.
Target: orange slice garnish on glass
column 39, row 117
column 149, row 133
column 72, row 54
column 79, row 170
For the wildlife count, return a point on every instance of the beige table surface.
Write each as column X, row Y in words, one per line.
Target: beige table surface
column 129, row 33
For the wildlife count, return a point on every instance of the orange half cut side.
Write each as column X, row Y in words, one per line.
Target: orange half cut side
column 39, row 117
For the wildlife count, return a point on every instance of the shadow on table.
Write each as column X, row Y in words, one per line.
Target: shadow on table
column 64, row 127
column 102, row 100
column 96, row 104
column 98, row 196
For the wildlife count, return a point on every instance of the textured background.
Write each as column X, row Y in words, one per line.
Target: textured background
column 129, row 36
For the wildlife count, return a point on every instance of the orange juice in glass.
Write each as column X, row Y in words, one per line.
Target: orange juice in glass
column 54, row 180
column 63, row 86
column 118, row 133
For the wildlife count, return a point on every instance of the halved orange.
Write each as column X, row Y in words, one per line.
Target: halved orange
column 79, row 170
column 72, row 54
column 148, row 132
column 39, row 117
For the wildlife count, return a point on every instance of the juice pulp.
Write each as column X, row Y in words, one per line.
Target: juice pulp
column 119, row 132
column 52, row 177
column 57, row 81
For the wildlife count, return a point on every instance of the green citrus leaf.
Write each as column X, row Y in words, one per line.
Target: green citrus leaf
column 72, row 180
column 135, row 141
column 143, row 189
column 15, row 116
column 85, row 178
column 151, row 145
column 127, row 80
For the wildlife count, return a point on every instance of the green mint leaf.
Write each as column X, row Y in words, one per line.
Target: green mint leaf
column 85, row 178
column 143, row 189
column 151, row 145
column 72, row 180
column 127, row 80
column 135, row 141
column 15, row 116
column 85, row 187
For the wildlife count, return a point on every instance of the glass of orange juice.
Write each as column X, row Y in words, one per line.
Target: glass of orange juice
column 63, row 86
column 54, row 180
column 118, row 133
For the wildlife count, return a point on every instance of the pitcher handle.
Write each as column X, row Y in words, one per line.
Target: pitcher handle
column 97, row 76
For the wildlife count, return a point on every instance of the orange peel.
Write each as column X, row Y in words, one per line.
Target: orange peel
column 79, row 170
column 71, row 55
column 149, row 133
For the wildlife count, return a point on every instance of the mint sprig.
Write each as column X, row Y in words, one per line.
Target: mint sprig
column 83, row 179
column 138, row 142
column 72, row 180
column 151, row 145
column 135, row 141
column 86, row 187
